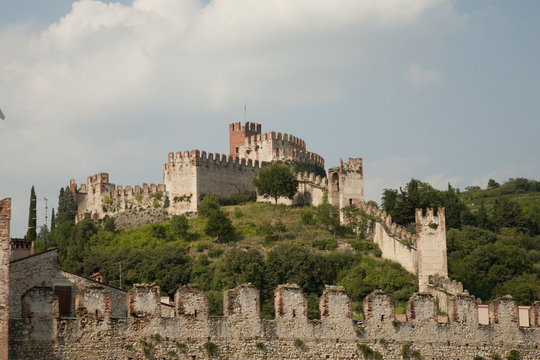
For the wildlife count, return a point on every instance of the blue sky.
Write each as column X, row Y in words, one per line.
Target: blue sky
column 442, row 91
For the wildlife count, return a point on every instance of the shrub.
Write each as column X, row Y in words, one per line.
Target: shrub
column 179, row 226
column 415, row 354
column 478, row 357
column 155, row 203
column 496, row 356
column 259, row 345
column 513, row 355
column 156, row 337
column 210, row 348
column 307, row 217
column 215, row 252
column 158, row 231
column 325, row 244
column 298, row 343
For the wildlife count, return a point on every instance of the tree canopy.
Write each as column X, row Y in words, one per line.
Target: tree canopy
column 276, row 181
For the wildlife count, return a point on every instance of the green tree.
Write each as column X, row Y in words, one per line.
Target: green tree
column 179, row 226
column 218, row 223
column 31, row 234
column 328, row 215
column 492, row 184
column 53, row 220
column 356, row 219
column 67, row 208
column 276, row 181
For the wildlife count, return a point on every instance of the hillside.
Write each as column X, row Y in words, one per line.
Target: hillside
column 493, row 242
column 272, row 245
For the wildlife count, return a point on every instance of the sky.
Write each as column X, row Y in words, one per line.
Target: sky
column 441, row 91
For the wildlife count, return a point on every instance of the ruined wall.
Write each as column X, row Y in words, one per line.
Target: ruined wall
column 41, row 271
column 5, row 219
column 346, row 184
column 241, row 334
column 98, row 197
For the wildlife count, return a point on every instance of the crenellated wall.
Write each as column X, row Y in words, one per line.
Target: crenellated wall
column 94, row 333
column 193, row 173
column 395, row 242
column 98, row 197
column 271, row 146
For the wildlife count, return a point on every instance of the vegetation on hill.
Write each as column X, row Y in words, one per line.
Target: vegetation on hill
column 493, row 242
column 493, row 234
column 270, row 245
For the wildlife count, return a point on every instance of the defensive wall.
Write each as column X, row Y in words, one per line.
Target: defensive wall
column 98, row 197
column 190, row 174
column 151, row 330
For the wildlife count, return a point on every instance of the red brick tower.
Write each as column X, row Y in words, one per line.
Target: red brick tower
column 237, row 134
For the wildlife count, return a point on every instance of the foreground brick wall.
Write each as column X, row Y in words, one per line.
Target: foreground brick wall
column 242, row 334
column 5, row 217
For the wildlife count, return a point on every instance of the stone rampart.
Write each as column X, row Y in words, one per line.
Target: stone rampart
column 272, row 146
column 94, row 333
column 98, row 197
column 395, row 242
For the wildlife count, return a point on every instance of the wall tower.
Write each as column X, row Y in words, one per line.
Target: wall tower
column 238, row 133
column 431, row 245
column 346, row 184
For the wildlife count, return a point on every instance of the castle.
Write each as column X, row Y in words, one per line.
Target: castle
column 188, row 175
column 46, row 312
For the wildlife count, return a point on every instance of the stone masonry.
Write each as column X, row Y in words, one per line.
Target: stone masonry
column 190, row 174
column 189, row 333
column 5, row 219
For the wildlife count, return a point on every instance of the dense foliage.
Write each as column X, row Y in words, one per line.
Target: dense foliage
column 272, row 245
column 276, row 181
column 493, row 237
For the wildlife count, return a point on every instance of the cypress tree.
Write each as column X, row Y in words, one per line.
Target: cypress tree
column 53, row 221
column 31, row 234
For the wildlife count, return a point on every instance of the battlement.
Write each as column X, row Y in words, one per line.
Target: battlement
column 202, row 158
column 352, row 165
column 312, row 178
column 290, row 304
column 260, row 139
column 237, row 134
column 393, row 228
column 291, row 334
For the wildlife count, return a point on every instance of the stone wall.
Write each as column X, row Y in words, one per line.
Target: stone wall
column 431, row 245
column 274, row 146
column 311, row 189
column 98, row 197
column 41, row 271
column 5, row 218
column 241, row 333
column 194, row 173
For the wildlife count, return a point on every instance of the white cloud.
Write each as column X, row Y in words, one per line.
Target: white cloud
column 108, row 83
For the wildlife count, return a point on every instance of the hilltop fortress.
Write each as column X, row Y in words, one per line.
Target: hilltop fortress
column 49, row 313
column 46, row 312
column 188, row 175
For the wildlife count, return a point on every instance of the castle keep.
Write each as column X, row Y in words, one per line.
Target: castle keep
column 188, row 175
